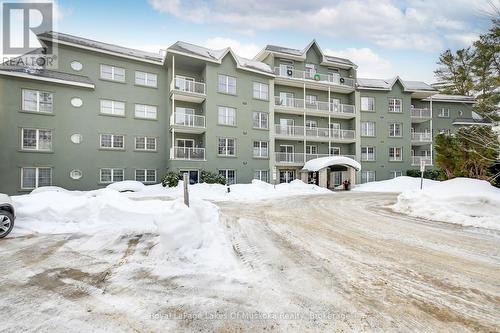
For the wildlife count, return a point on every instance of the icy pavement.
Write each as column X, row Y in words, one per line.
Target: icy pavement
column 316, row 263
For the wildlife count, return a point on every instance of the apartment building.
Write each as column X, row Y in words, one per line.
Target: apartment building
column 111, row 113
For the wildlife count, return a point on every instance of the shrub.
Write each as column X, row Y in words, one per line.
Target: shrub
column 171, row 179
column 212, row 178
column 428, row 174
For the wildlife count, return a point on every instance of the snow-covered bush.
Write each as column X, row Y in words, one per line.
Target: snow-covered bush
column 171, row 179
column 212, row 178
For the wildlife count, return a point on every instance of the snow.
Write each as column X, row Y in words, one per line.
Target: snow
column 261, row 66
column 323, row 162
column 464, row 201
column 398, row 184
column 127, row 185
column 255, row 191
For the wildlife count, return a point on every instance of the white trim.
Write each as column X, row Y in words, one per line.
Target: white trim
column 40, row 78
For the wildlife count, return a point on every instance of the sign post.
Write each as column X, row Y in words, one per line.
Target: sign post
column 422, row 170
column 185, row 180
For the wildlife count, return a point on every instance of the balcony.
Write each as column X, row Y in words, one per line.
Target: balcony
column 187, row 123
column 295, row 77
column 314, row 133
column 188, row 90
column 297, row 159
column 416, row 160
column 299, row 106
column 187, row 154
column 420, row 115
column 421, row 138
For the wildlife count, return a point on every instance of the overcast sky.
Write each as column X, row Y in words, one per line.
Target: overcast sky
column 383, row 37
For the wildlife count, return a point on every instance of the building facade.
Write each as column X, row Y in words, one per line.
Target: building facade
column 111, row 113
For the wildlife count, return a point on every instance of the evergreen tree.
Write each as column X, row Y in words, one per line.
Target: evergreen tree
column 455, row 72
column 446, row 154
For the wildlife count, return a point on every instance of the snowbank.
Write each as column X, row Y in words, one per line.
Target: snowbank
column 255, row 191
column 319, row 163
column 465, row 201
column 398, row 184
column 127, row 185
column 190, row 234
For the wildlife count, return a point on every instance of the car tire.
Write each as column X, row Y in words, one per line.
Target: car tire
column 6, row 223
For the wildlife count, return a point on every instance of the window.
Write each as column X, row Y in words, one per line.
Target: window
column 395, row 105
column 311, row 124
column 146, row 111
column 229, row 175
column 395, row 154
column 76, row 174
column 112, row 107
column 395, row 130
column 36, row 139
column 367, row 128
column 311, row 99
column 145, row 143
column 260, row 120
column 112, row 73
column 335, row 151
column 367, row 103
column 145, row 175
column 260, row 149
column 76, row 65
column 111, row 175
column 368, row 153
column 396, row 173
column 146, row 79
column 227, row 116
column 367, row 176
column 112, row 141
column 227, row 146
column 260, row 91
column 262, row 175
column 76, row 138
column 444, row 113
column 33, row 177
column 37, row 101
column 227, row 84
column 76, row 102
column 311, row 149
column 310, row 70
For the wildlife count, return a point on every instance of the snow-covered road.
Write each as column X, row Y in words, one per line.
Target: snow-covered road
column 316, row 263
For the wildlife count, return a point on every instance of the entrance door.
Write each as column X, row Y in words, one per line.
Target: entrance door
column 286, row 152
column 194, row 176
column 286, row 176
column 337, row 178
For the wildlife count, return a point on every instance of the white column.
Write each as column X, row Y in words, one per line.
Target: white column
column 305, row 143
column 173, row 106
column 432, row 134
column 329, row 121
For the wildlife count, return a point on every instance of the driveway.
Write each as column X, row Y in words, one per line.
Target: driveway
column 341, row 263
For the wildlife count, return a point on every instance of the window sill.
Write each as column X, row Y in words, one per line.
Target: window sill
column 372, row 111
column 261, row 99
column 35, row 151
column 112, row 115
column 227, row 156
column 395, row 137
column 114, row 81
column 111, row 149
column 368, row 160
column 37, row 112
column 260, row 158
column 396, row 161
column 226, row 93
column 144, row 118
column 397, row 112
column 260, row 129
column 227, row 125
column 145, row 86
column 145, row 151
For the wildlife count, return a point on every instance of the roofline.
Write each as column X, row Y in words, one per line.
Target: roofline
column 47, row 79
column 471, row 123
column 94, row 49
column 428, row 99
column 228, row 50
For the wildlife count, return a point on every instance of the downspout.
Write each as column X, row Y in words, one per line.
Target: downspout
column 329, row 121
column 432, row 134
column 172, row 86
column 305, row 137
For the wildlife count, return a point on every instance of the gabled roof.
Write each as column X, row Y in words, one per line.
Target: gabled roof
column 216, row 56
column 47, row 75
column 301, row 54
column 93, row 45
column 387, row 84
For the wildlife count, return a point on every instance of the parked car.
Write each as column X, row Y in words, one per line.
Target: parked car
column 7, row 215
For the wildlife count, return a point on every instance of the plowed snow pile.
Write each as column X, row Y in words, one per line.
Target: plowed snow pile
column 189, row 234
column 465, row 201
column 398, row 184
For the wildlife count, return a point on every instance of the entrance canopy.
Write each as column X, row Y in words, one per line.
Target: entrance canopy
column 324, row 162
